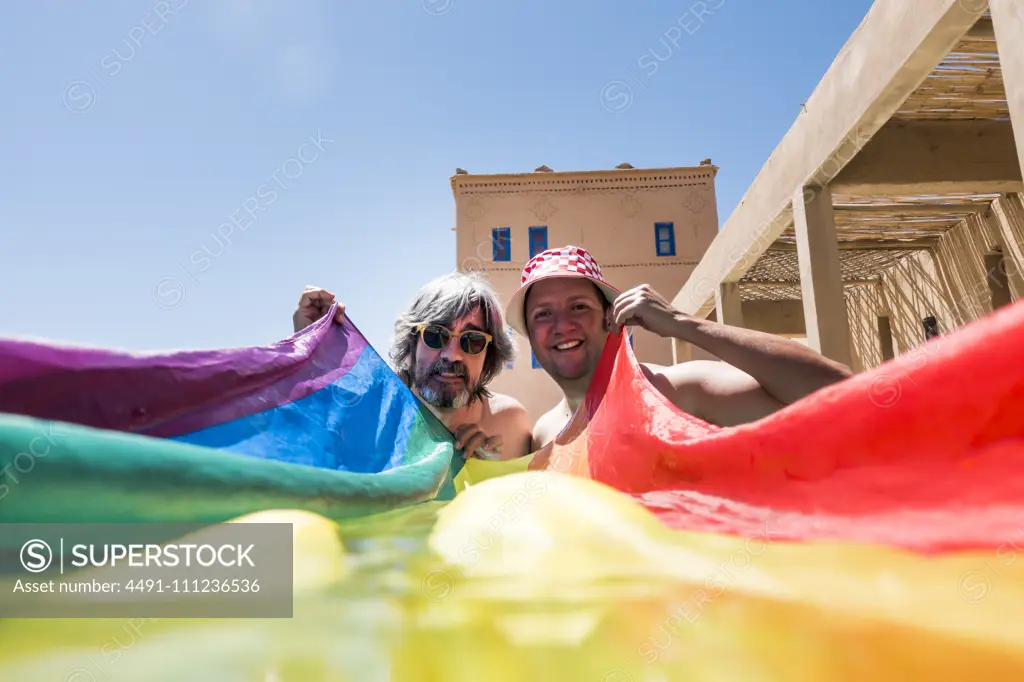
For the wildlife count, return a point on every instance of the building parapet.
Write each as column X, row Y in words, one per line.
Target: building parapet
column 583, row 181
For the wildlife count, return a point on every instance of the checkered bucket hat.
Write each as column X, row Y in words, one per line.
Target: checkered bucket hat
column 566, row 261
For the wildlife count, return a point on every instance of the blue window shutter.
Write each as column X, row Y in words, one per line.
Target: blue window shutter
column 538, row 240
column 502, row 243
column 665, row 238
column 533, row 359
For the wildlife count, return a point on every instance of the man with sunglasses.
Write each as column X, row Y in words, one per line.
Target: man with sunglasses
column 566, row 309
column 447, row 347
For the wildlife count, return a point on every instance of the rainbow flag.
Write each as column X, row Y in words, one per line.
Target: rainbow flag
column 869, row 531
column 317, row 422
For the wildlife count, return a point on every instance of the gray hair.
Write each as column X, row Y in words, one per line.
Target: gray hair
column 443, row 301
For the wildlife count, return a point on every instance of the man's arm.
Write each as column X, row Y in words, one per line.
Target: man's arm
column 785, row 369
column 759, row 372
column 713, row 391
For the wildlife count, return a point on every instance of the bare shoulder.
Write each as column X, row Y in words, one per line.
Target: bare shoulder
column 509, row 414
column 712, row 390
column 705, row 374
column 509, row 419
column 551, row 418
column 506, row 407
column 548, row 426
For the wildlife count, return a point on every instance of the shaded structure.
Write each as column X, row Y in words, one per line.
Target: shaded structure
column 892, row 209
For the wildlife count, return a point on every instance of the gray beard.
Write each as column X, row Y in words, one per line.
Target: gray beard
column 447, row 397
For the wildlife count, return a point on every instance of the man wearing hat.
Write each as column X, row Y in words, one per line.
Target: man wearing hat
column 566, row 309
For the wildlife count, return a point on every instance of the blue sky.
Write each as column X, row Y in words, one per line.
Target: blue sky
column 136, row 134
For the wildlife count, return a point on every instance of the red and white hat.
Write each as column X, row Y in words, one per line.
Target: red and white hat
column 567, row 261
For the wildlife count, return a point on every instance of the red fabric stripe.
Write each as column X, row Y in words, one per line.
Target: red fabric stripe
column 923, row 452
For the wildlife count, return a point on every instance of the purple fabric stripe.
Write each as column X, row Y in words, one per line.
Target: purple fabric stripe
column 165, row 394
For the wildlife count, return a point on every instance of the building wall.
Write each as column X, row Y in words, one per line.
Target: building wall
column 612, row 214
column 950, row 283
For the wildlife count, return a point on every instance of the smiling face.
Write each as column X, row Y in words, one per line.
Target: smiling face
column 565, row 318
column 447, row 378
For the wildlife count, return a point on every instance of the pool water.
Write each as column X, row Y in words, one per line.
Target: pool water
column 582, row 584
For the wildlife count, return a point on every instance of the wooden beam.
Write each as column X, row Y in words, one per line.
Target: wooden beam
column 775, row 317
column 906, row 210
column 1008, row 213
column 681, row 351
column 893, row 50
column 1008, row 22
column 769, row 283
column 821, row 279
column 885, row 338
column 934, row 157
column 982, row 30
column 729, row 304
column 997, row 280
column 870, row 245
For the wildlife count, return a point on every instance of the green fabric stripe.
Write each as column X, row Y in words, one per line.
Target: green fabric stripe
column 55, row 472
column 425, row 431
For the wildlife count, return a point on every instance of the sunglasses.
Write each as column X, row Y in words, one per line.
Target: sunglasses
column 436, row 337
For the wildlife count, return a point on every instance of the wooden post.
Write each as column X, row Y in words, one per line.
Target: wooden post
column 821, row 281
column 1008, row 212
column 1008, row 24
column 729, row 304
column 998, row 283
column 681, row 351
column 885, row 338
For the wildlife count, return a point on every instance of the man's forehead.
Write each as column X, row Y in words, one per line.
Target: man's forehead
column 473, row 320
column 562, row 289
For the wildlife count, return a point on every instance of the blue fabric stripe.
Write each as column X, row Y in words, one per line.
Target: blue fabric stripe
column 360, row 423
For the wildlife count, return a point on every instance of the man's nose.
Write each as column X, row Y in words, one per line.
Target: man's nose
column 563, row 323
column 453, row 351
